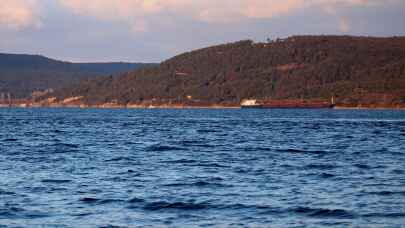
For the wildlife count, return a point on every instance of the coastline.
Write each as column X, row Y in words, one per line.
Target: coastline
column 369, row 108
column 109, row 106
column 178, row 106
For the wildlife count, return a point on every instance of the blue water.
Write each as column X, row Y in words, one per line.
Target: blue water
column 255, row 168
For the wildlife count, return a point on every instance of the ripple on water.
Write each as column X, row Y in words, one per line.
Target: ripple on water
column 180, row 161
column 89, row 200
column 59, row 148
column 56, row 181
column 4, row 192
column 164, row 205
column 205, row 184
column 248, row 149
column 385, row 215
column 11, row 212
column 323, row 213
column 302, row 151
column 206, row 131
column 21, row 213
column 212, row 165
column 57, row 131
column 136, row 200
column 362, row 166
column 320, row 166
column 10, row 140
column 120, row 158
column 159, row 147
column 386, row 193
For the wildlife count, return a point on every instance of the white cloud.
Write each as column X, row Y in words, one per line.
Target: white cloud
column 18, row 14
column 137, row 12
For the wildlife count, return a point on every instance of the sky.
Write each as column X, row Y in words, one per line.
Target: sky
column 155, row 30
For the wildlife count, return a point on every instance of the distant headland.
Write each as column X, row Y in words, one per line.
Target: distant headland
column 358, row 72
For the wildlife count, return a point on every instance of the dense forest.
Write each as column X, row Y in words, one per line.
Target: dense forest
column 21, row 75
column 355, row 70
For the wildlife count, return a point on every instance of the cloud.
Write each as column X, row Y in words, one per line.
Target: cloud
column 137, row 13
column 344, row 25
column 18, row 14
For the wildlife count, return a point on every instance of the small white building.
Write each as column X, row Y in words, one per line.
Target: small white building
column 249, row 102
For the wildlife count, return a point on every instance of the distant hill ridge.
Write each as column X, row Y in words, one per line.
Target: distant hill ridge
column 355, row 70
column 22, row 74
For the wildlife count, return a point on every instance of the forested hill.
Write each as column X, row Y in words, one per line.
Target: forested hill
column 355, row 70
column 21, row 75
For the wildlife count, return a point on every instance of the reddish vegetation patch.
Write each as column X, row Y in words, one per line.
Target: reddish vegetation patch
column 354, row 70
column 290, row 66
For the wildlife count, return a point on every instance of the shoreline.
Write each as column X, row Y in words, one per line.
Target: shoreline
column 115, row 106
column 123, row 106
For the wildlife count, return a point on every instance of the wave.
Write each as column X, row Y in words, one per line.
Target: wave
column 21, row 213
column 362, row 166
column 397, row 171
column 89, row 200
column 211, row 165
column 109, row 201
column 191, row 205
column 136, row 200
column 58, row 131
column 241, row 206
column 129, row 124
column 181, row 161
column 386, row 215
column 10, row 140
column 156, row 148
column 10, row 212
column 320, row 166
column 323, row 213
column 197, row 184
column 68, row 145
column 256, row 149
column 290, row 150
column 119, row 159
column 387, row 193
column 55, row 181
column 327, row 175
column 163, row 205
column 301, row 151
column 3, row 192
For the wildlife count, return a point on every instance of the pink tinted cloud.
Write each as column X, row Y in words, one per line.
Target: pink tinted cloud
column 18, row 14
column 203, row 10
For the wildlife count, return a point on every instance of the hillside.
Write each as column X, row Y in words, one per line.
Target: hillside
column 355, row 70
column 21, row 75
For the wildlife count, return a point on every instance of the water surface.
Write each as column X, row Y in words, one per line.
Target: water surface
column 289, row 168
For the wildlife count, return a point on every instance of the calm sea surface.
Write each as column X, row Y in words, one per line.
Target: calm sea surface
column 250, row 168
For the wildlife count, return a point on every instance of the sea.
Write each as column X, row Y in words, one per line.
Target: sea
column 202, row 168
